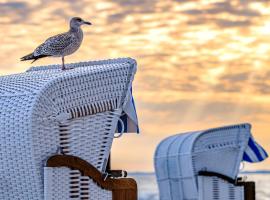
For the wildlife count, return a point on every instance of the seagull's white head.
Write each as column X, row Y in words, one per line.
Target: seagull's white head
column 76, row 22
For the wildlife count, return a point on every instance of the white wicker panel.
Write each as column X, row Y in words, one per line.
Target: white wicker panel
column 90, row 137
column 65, row 184
column 96, row 193
column 56, row 183
column 228, row 159
column 218, row 189
column 229, row 142
column 16, row 151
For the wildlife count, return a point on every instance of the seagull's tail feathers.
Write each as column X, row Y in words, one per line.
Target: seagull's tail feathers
column 31, row 56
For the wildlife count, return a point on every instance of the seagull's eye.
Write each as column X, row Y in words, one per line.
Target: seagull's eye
column 79, row 20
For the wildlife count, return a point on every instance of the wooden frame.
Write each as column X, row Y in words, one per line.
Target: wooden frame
column 122, row 188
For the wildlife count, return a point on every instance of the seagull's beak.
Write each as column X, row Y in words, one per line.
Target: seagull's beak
column 88, row 23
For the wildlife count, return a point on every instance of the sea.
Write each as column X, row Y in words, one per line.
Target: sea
column 148, row 189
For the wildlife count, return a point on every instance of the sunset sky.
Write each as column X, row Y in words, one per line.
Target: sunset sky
column 201, row 64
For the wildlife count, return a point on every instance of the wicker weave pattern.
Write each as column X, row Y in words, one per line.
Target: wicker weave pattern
column 57, row 190
column 78, row 187
column 230, row 142
column 46, row 108
column 85, row 64
column 218, row 189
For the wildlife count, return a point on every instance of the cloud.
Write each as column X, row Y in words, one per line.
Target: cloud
column 224, row 7
column 8, row 6
column 228, row 88
column 240, row 77
column 212, row 14
column 240, row 10
column 261, row 83
column 136, row 3
column 223, row 23
column 194, row 12
column 230, row 23
column 15, row 11
column 117, row 18
column 262, row 88
column 131, row 7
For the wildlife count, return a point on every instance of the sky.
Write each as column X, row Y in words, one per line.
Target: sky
column 201, row 64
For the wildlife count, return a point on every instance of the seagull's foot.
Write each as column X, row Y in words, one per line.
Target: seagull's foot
column 66, row 68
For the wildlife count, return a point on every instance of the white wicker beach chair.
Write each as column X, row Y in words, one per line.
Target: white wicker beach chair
column 202, row 165
column 75, row 111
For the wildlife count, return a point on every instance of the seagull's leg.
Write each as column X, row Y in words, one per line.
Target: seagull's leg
column 63, row 63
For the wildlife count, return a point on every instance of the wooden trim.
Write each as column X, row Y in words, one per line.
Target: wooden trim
column 249, row 189
column 218, row 175
column 108, row 167
column 122, row 188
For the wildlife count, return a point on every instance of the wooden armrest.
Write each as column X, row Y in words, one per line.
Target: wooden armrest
column 122, row 188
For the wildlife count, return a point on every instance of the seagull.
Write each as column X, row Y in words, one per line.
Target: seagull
column 60, row 45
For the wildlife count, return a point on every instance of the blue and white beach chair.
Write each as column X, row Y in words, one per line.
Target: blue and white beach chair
column 204, row 165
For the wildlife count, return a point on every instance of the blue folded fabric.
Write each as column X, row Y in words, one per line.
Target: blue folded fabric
column 254, row 152
column 129, row 117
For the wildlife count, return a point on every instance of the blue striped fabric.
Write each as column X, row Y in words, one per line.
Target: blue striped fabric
column 254, row 152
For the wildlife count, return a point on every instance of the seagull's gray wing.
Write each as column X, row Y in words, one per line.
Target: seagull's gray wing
column 55, row 45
